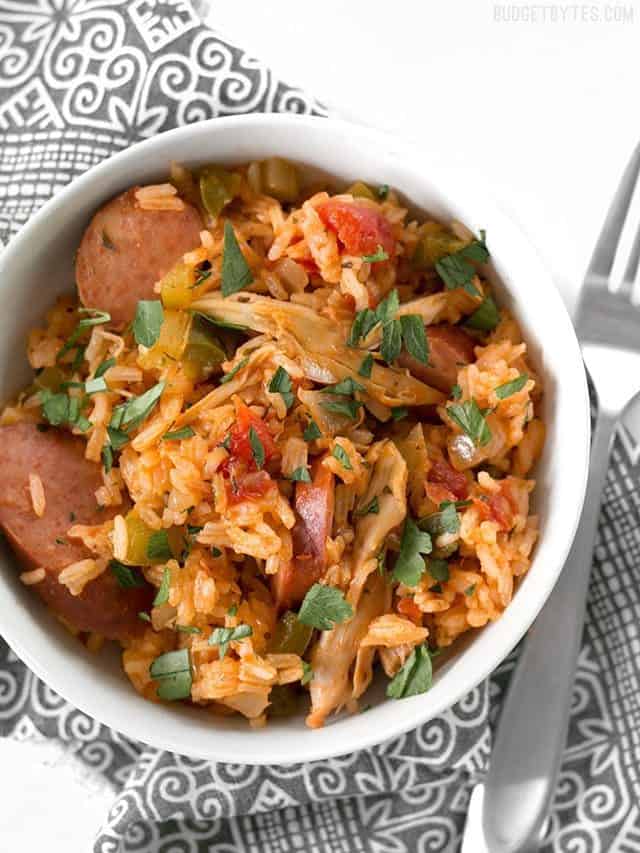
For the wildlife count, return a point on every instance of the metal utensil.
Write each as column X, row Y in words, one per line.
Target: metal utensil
column 533, row 727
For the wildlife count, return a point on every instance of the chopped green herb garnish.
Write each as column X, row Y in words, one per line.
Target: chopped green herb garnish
column 235, row 370
column 148, row 321
column 456, row 392
column 391, row 341
column 399, row 412
column 281, row 384
column 131, row 414
column 236, row 273
column 221, row 637
column 323, row 607
column 95, row 385
column 414, row 337
column 438, row 569
column 144, row 616
column 188, row 629
column 179, row 434
column 226, row 443
column 233, row 610
column 162, row 596
column 377, row 256
column 486, row 317
column 257, row 450
column 158, row 550
column 173, row 671
column 509, row 388
column 301, row 475
column 381, row 560
column 372, row 507
column 410, row 565
column 101, row 369
column 307, row 673
column 61, row 409
column 117, row 438
column 127, row 578
column 415, row 676
column 363, row 323
column 346, row 387
column 444, row 521
column 201, row 276
column 471, row 420
column 312, row 431
column 383, row 191
column 347, row 408
column 340, row 454
column 106, row 454
column 98, row 319
column 216, row 552
column 457, row 270
column 366, row 366
column 470, row 590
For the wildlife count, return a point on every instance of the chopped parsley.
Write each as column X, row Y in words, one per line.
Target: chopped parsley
column 366, row 366
column 414, row 677
column 486, row 316
column 257, row 449
column 410, row 565
column 391, row 345
column 158, row 550
column 324, row 607
column 162, row 596
column 235, row 370
column 469, row 591
column 509, row 388
column 377, row 256
column 221, row 637
column 61, row 409
column 363, row 323
column 232, row 610
column 312, row 431
column 95, row 385
column 457, row 269
column 131, row 414
column 471, row 420
column 345, row 407
column 148, row 321
column 307, row 673
column 127, row 578
column 446, row 520
column 300, row 475
column 188, row 629
column 101, row 369
column 216, row 552
column 399, row 412
column 383, row 191
column 456, row 392
column 98, row 319
column 346, row 387
column 173, row 671
column 179, row 434
column 414, row 337
column 340, row 454
column 281, row 384
column 438, row 569
column 236, row 273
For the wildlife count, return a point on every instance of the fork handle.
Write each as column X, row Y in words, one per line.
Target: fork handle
column 532, row 729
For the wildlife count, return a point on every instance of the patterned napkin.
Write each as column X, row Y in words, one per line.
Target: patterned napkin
column 80, row 80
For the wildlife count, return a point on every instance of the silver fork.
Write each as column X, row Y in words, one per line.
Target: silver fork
column 533, row 726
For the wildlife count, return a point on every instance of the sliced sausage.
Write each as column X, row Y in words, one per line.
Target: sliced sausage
column 69, row 482
column 314, row 503
column 450, row 348
column 126, row 249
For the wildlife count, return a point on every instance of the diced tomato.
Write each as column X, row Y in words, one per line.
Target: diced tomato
column 247, row 486
column 496, row 508
column 455, row 482
column 361, row 229
column 407, row 607
column 240, row 444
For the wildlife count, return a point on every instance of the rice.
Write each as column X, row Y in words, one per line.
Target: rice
column 159, row 197
column 77, row 575
column 33, row 577
column 36, row 491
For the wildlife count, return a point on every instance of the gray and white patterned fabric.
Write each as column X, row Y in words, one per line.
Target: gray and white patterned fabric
column 80, row 80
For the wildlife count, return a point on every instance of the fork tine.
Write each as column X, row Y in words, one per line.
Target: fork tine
column 631, row 271
column 606, row 247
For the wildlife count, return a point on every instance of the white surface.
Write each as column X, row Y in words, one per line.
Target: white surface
column 546, row 112
column 341, row 150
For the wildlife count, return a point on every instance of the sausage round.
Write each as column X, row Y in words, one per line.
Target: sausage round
column 126, row 249
column 450, row 348
column 69, row 482
column 314, row 504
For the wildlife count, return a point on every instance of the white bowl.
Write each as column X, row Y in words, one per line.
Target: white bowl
column 38, row 264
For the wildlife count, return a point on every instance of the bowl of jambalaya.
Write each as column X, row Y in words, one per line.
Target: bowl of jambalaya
column 294, row 426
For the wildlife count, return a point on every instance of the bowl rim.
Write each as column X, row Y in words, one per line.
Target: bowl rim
column 409, row 714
